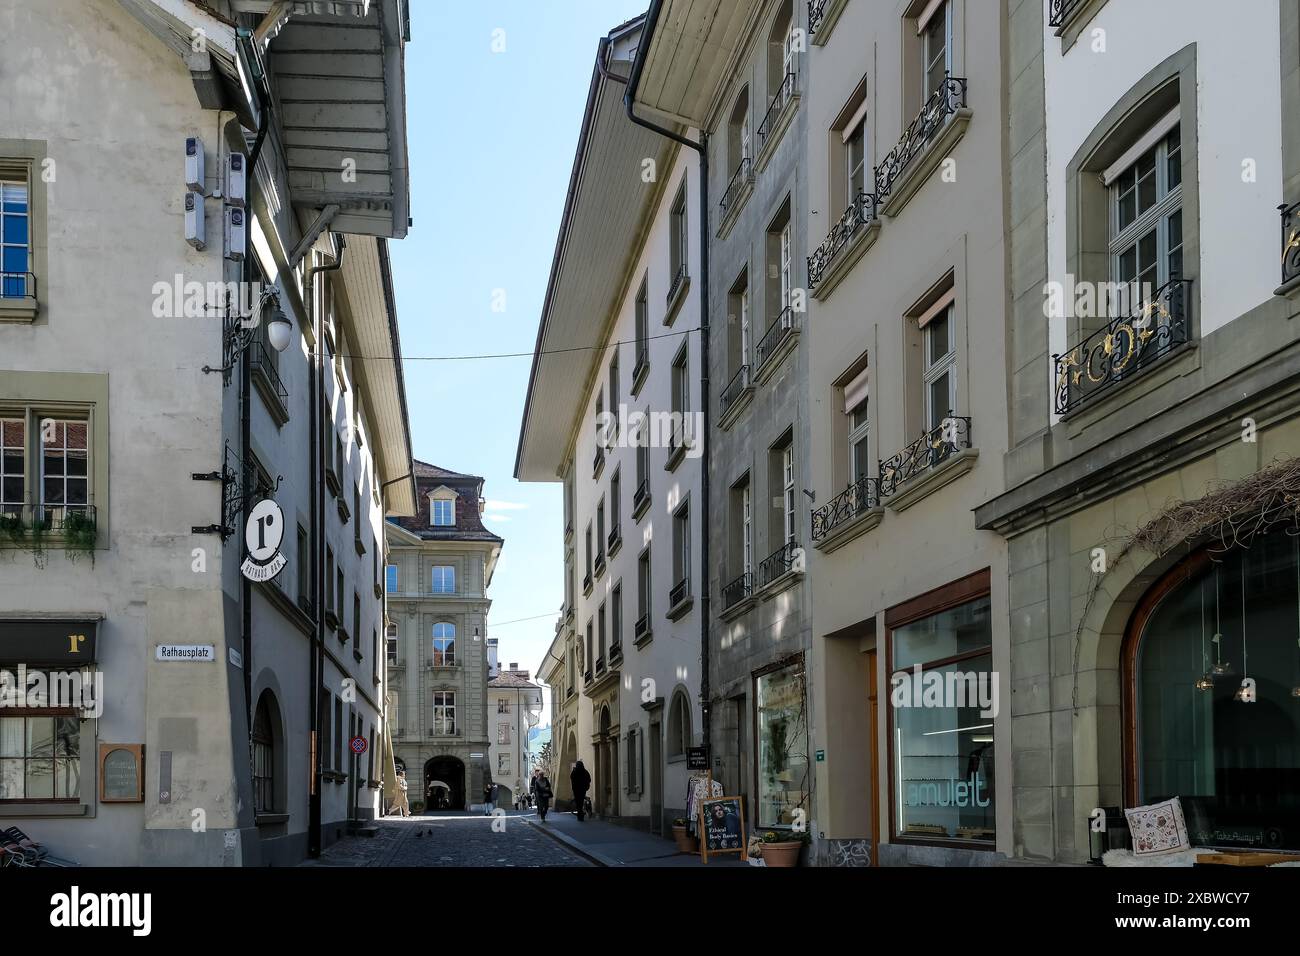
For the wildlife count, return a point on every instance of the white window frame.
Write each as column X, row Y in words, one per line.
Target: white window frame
column 946, row 365
column 447, row 572
column 745, row 330
column 444, row 713
column 442, row 513
column 785, row 266
column 859, row 432
column 747, row 527
column 746, row 133
column 44, row 448
column 7, row 183
column 443, row 644
column 787, row 493
column 392, row 647
column 929, row 58
column 7, row 505
column 857, row 174
column 1168, row 203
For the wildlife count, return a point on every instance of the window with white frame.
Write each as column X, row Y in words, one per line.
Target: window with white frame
column 65, row 458
column 745, row 133
column 503, row 763
column 855, row 156
column 787, row 492
column 859, row 431
column 442, row 512
column 15, row 238
column 444, row 713
column 503, row 733
column 785, row 266
column 390, row 578
column 940, row 371
column 503, row 706
column 1146, row 220
column 745, row 323
column 747, row 527
column 444, row 579
column 13, row 464
column 390, row 643
column 444, row 645
column 682, row 547
column 679, row 240
column 935, row 28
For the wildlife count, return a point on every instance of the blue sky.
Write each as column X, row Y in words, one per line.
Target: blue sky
column 491, row 140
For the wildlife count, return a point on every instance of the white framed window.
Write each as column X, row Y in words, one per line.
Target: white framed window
column 13, row 464
column 444, row 579
column 747, row 528
column 855, row 146
column 746, row 134
column 787, row 493
column 787, row 60
column 444, row 713
column 859, row 422
column 442, row 513
column 785, row 266
column 745, row 328
column 682, row 544
column 1146, row 220
column 503, row 763
column 503, row 706
column 444, row 645
column 503, row 733
column 65, row 458
column 390, row 643
column 15, row 239
column 936, row 48
column 940, row 373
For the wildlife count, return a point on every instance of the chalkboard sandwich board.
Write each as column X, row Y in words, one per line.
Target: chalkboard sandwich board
column 722, row 827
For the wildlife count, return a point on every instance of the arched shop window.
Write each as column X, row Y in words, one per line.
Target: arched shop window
column 1213, row 694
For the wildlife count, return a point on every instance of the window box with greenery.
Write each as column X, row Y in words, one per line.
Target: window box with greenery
column 53, row 456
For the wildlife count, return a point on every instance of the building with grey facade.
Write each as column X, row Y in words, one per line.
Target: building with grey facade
column 440, row 564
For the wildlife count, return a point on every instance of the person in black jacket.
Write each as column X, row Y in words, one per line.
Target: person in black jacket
column 542, row 794
column 581, row 781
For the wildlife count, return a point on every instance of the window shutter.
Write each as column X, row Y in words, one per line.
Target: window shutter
column 855, row 392
column 937, row 308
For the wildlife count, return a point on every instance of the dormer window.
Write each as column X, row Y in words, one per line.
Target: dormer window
column 442, row 508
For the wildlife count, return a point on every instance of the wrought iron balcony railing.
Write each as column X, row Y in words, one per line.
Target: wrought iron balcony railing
column 599, row 565
column 642, row 494
column 779, row 99
column 860, row 212
column 615, row 537
column 19, row 522
column 862, row 495
column 261, row 363
column 777, row 564
column 1059, row 11
column 678, row 280
column 599, row 461
column 680, row 592
column 1290, row 242
column 777, row 333
column 943, row 102
column 736, row 591
column 600, row 664
column 642, row 361
column 744, row 174
column 816, row 11
column 17, row 285
column 739, row 382
column 1129, row 344
column 932, row 449
column 642, row 627
column 615, row 653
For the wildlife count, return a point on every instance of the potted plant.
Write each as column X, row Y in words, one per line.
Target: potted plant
column 685, row 842
column 782, row 849
column 79, row 534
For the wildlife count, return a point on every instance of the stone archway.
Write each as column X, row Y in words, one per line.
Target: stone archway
column 444, row 784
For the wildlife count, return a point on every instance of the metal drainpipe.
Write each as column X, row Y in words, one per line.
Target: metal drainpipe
column 702, row 149
column 317, row 447
column 245, row 409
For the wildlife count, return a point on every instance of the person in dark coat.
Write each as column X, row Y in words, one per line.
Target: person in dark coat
column 581, row 781
column 542, row 793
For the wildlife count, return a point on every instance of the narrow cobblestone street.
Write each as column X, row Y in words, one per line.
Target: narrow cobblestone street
column 451, row 839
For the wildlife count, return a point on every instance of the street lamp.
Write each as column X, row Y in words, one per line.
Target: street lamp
column 280, row 330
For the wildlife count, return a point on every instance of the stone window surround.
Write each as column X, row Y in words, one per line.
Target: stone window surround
column 31, row 153
column 1170, row 84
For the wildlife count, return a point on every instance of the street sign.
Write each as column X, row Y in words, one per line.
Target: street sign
column 697, row 758
column 185, row 652
column 358, row 745
column 263, row 533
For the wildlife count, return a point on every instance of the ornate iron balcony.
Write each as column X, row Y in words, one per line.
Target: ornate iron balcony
column 680, row 592
column 781, row 97
column 776, row 564
column 737, row 590
column 1290, row 242
column 739, row 382
column 1059, row 11
column 816, row 11
column 860, row 212
column 77, row 523
column 744, row 174
column 775, row 335
column 586, row 583
column 678, row 279
column 17, row 285
column 599, row 565
column 642, row 493
column 946, row 100
column 860, row 496
column 1125, row 347
column 261, row 363
column 933, row 448
column 615, row 536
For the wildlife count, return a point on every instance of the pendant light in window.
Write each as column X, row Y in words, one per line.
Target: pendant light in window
column 1205, row 681
column 1246, row 692
column 1221, row 667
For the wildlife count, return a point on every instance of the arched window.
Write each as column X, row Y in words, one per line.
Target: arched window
column 739, row 146
column 679, row 725
column 265, row 733
column 780, row 60
column 444, row 644
column 1213, row 695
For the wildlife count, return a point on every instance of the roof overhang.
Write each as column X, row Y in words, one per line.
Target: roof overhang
column 338, row 77
column 689, row 54
column 606, row 212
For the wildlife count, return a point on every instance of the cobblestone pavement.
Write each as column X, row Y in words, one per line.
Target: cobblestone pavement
column 450, row 839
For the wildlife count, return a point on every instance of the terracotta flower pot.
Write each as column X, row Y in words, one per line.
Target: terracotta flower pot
column 782, row 854
column 685, row 842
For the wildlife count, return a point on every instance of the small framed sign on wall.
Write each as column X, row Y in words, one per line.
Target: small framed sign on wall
column 121, row 773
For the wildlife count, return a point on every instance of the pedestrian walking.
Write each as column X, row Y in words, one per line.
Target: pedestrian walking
column 581, row 782
column 542, row 795
column 402, row 807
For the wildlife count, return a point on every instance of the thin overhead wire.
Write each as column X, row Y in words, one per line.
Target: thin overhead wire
column 507, row 355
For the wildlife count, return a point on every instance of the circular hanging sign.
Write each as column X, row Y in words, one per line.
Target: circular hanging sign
column 263, row 533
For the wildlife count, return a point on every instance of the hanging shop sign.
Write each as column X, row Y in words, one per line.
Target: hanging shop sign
column 48, row 642
column 697, row 758
column 263, row 533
